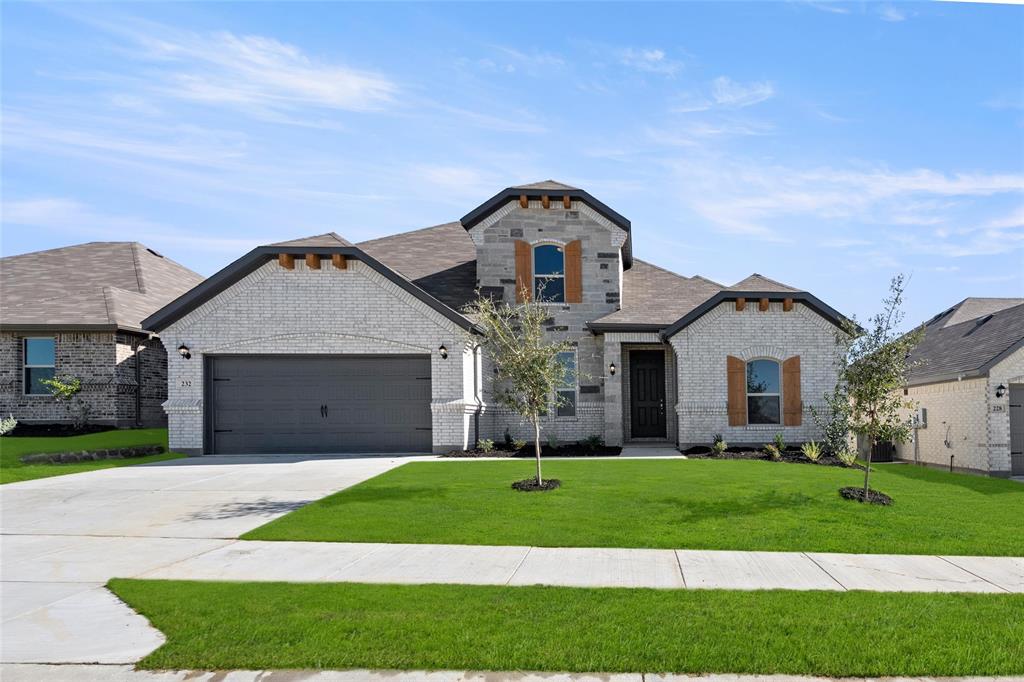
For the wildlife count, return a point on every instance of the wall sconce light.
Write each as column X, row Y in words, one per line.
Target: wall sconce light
column 611, row 369
column 1000, row 390
column 443, row 351
column 184, row 352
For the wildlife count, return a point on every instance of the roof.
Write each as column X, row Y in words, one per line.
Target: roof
column 440, row 259
column 323, row 245
column 326, row 239
column 758, row 282
column 538, row 189
column 967, row 340
column 97, row 285
column 653, row 297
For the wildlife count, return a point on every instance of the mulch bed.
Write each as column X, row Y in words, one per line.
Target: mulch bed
column 791, row 455
column 567, row 450
column 529, row 485
column 36, row 430
column 874, row 497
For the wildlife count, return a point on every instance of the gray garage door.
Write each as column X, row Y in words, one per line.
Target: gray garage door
column 319, row 404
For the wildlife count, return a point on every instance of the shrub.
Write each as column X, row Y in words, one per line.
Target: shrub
column 773, row 451
column 834, row 421
column 485, row 444
column 552, row 441
column 811, row 450
column 593, row 442
column 847, row 457
column 7, row 424
column 518, row 444
column 508, row 439
column 779, row 443
column 719, row 446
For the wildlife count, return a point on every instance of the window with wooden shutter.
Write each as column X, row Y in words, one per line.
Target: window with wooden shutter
column 792, row 407
column 574, row 272
column 524, row 271
column 737, row 390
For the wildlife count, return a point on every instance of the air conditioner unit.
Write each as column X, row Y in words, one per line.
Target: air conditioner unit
column 921, row 418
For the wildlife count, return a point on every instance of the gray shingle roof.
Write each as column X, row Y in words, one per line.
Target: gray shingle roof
column 655, row 296
column 967, row 340
column 757, row 282
column 326, row 239
column 113, row 284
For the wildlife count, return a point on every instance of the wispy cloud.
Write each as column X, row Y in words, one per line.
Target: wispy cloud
column 892, row 14
column 729, row 93
column 651, row 60
column 828, row 6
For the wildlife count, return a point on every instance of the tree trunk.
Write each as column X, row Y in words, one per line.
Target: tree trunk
column 536, row 447
column 867, row 469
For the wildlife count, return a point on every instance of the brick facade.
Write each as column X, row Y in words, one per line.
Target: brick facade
column 105, row 363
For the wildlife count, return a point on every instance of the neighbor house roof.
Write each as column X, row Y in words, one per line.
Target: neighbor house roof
column 653, row 298
column 557, row 190
column 758, row 282
column 326, row 239
column 967, row 340
column 98, row 285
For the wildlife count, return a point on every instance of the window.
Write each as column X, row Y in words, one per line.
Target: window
column 40, row 358
column 762, row 392
column 549, row 273
column 567, row 391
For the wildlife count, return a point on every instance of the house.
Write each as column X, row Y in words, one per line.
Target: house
column 320, row 345
column 968, row 377
column 78, row 311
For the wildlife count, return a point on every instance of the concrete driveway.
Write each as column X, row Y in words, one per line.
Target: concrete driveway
column 64, row 537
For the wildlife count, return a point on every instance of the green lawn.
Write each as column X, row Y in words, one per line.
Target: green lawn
column 12, row 449
column 223, row 626
column 696, row 504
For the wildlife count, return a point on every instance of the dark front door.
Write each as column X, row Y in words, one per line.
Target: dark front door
column 307, row 404
column 647, row 393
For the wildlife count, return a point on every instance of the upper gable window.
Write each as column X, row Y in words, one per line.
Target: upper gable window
column 763, row 392
column 549, row 273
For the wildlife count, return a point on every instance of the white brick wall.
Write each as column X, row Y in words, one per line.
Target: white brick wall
column 331, row 311
column 701, row 351
column 1009, row 371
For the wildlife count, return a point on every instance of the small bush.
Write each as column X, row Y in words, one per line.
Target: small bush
column 518, row 444
column 485, row 444
column 508, row 439
column 7, row 424
column 847, row 457
column 552, row 441
column 811, row 450
column 593, row 442
column 773, row 451
column 719, row 446
column 779, row 443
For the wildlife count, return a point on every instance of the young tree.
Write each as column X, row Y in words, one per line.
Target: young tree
column 527, row 371
column 66, row 389
column 877, row 361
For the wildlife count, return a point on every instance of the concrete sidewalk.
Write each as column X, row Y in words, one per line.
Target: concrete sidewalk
column 597, row 567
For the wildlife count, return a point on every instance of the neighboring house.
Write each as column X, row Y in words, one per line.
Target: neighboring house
column 78, row 311
column 319, row 345
column 968, row 376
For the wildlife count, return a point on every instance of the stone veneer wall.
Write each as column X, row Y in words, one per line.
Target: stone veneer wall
column 328, row 311
column 701, row 351
column 104, row 361
column 968, row 414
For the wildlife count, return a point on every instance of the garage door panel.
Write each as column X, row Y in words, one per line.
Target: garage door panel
column 272, row 404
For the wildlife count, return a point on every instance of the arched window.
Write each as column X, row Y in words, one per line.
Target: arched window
column 763, row 392
column 549, row 273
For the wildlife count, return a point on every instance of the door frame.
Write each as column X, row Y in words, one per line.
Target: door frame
column 660, row 354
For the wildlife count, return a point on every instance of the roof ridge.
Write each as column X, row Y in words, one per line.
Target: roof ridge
column 663, row 269
column 402, row 234
column 974, row 320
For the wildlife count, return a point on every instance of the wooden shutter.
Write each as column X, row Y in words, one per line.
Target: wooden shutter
column 524, row 271
column 737, row 391
column 792, row 408
column 574, row 272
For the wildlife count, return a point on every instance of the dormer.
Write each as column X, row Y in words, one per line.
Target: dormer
column 550, row 242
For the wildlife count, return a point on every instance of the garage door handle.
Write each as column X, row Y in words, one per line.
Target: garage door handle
column 323, row 411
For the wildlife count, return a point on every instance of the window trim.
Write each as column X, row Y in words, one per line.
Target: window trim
column 575, row 388
column 25, row 366
column 747, row 394
column 533, row 269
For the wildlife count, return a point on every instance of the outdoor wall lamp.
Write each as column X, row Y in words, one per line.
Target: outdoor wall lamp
column 443, row 351
column 184, row 352
column 611, row 369
column 1000, row 390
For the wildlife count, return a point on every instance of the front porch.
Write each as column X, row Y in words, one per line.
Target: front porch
column 640, row 395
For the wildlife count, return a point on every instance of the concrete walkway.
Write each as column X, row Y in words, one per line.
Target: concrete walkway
column 598, row 567
column 107, row 673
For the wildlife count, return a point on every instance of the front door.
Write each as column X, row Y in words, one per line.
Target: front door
column 1017, row 429
column 647, row 393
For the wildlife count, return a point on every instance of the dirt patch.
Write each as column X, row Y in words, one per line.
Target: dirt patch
column 529, row 485
column 790, row 455
column 24, row 430
column 874, row 497
column 567, row 450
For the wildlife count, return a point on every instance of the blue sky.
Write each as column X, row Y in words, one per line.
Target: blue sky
column 825, row 145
